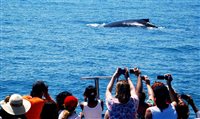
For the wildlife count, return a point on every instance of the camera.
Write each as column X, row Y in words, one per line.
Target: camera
column 121, row 71
column 163, row 77
column 132, row 71
column 142, row 77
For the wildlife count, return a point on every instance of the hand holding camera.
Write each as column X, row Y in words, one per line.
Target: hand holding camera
column 165, row 77
column 126, row 74
column 146, row 79
column 135, row 71
column 123, row 72
column 117, row 73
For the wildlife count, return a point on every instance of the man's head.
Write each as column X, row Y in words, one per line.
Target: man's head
column 161, row 93
column 90, row 92
column 38, row 89
column 61, row 97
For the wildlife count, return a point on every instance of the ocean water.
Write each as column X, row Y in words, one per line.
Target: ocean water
column 60, row 41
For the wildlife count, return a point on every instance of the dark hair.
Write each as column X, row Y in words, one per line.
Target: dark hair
column 161, row 93
column 90, row 92
column 49, row 111
column 142, row 97
column 61, row 97
column 160, row 90
column 38, row 88
column 123, row 91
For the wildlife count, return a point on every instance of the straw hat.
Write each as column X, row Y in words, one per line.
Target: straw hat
column 16, row 105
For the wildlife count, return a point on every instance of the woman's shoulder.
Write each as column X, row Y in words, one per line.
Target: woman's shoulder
column 83, row 104
column 113, row 100
column 135, row 97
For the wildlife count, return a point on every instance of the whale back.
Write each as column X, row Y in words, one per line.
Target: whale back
column 130, row 22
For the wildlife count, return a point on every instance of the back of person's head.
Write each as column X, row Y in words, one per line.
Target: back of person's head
column 142, row 97
column 161, row 93
column 38, row 89
column 90, row 92
column 123, row 91
column 70, row 103
column 49, row 111
column 60, row 99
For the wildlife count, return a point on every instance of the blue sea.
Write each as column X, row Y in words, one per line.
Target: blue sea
column 60, row 41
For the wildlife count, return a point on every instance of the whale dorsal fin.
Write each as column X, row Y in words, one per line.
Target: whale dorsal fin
column 147, row 20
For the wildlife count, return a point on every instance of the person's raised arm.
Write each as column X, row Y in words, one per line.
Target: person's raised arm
column 132, row 88
column 194, row 107
column 149, row 89
column 139, row 86
column 172, row 93
column 110, row 84
column 190, row 101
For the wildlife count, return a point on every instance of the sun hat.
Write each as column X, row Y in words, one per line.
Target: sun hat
column 70, row 103
column 16, row 105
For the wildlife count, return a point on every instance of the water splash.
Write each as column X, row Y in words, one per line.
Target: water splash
column 96, row 25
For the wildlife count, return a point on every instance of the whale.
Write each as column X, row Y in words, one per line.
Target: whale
column 132, row 23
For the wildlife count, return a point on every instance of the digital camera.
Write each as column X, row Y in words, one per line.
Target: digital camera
column 121, row 71
column 162, row 77
column 132, row 71
column 142, row 77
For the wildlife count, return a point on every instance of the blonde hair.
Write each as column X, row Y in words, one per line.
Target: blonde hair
column 123, row 91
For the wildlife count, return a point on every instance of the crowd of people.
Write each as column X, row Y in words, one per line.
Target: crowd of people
column 128, row 101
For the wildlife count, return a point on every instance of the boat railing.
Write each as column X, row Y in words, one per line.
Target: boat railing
column 96, row 81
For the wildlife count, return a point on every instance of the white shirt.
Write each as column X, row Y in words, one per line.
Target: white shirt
column 198, row 115
column 92, row 113
column 168, row 113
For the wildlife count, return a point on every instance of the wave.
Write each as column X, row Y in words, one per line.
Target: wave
column 96, row 25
